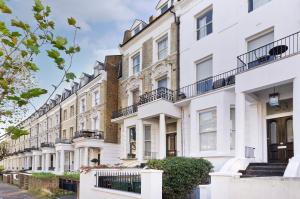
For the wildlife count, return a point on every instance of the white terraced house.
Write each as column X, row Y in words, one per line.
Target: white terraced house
column 73, row 130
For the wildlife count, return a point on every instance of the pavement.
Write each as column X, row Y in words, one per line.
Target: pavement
column 11, row 192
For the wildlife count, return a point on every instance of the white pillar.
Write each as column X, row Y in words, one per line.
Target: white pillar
column 62, row 161
column 139, row 140
column 27, row 162
column 56, row 161
column 240, row 124
column 35, row 162
column 86, row 157
column 151, row 186
column 179, row 138
column 47, row 161
column 76, row 159
column 162, row 136
column 43, row 162
column 296, row 116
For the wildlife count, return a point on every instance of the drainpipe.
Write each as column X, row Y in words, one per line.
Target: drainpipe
column 76, row 111
column 177, row 22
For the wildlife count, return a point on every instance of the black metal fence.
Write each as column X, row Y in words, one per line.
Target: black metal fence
column 129, row 181
column 279, row 49
column 89, row 134
column 47, row 145
column 125, row 111
column 160, row 93
column 68, row 185
column 209, row 84
column 63, row 141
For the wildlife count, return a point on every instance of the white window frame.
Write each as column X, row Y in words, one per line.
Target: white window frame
column 147, row 141
column 232, row 128
column 164, row 6
column 164, row 51
column 214, row 147
column 96, row 98
column 95, row 123
column 82, row 105
column 252, row 7
column 138, row 66
column 198, row 29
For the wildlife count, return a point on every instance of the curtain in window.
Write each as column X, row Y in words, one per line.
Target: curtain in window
column 204, row 25
column 147, row 140
column 163, row 83
column 163, row 48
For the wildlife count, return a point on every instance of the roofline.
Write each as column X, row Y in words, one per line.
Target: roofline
column 148, row 25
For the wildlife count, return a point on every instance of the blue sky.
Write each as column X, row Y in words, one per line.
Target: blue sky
column 102, row 25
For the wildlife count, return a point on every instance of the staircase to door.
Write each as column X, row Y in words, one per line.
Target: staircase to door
column 264, row 169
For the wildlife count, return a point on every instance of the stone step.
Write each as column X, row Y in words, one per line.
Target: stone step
column 266, row 168
column 264, row 173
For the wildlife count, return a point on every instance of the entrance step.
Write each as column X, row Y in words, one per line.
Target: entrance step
column 264, row 169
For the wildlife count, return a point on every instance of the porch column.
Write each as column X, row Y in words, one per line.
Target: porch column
column 36, row 162
column 139, row 140
column 43, row 162
column 76, row 159
column 47, row 161
column 57, row 161
column 296, row 116
column 240, row 124
column 86, row 157
column 62, row 161
column 162, row 136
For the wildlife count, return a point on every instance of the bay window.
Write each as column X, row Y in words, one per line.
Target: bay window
column 208, row 130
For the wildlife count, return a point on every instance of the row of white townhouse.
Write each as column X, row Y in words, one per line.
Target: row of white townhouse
column 213, row 79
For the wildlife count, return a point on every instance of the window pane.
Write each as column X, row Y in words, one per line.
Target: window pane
column 232, row 128
column 289, row 130
column 253, row 4
column 208, row 141
column 273, row 133
column 204, row 70
column 163, row 83
column 148, row 133
column 136, row 63
column 204, row 24
column 208, row 130
column 163, row 48
column 164, row 8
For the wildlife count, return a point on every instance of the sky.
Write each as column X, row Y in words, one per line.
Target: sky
column 102, row 25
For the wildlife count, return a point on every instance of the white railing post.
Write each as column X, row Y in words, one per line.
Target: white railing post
column 151, row 184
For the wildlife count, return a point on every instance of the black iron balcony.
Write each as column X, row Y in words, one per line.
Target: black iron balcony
column 47, row 145
column 160, row 93
column 208, row 85
column 276, row 50
column 89, row 134
column 125, row 111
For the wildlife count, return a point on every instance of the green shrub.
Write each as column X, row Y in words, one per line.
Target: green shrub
column 1, row 169
column 72, row 175
column 181, row 175
column 44, row 176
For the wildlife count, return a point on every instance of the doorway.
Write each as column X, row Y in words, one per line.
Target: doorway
column 280, row 139
column 171, row 144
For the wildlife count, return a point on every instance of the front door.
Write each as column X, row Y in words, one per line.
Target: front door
column 280, row 139
column 171, row 144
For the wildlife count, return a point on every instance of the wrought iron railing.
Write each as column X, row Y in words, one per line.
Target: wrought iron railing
column 125, row 111
column 89, row 134
column 47, row 145
column 279, row 49
column 160, row 93
column 122, row 180
column 208, row 85
column 63, row 141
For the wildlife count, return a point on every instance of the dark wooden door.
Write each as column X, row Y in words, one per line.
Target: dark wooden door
column 280, row 139
column 171, row 144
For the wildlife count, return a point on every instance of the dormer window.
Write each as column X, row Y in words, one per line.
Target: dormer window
column 136, row 30
column 164, row 8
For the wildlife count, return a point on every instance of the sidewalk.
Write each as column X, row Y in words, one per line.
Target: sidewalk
column 11, row 192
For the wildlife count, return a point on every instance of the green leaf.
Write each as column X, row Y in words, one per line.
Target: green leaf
column 38, row 6
column 60, row 42
column 16, row 34
column 59, row 61
column 1, row 53
column 71, row 21
column 53, row 53
column 32, row 66
column 8, row 43
column 77, row 49
column 35, row 92
column 16, row 132
column 70, row 76
column 3, row 28
column 24, row 53
column 20, row 24
column 4, row 84
column 4, row 8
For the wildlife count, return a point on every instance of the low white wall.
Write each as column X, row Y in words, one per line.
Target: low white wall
column 234, row 187
column 151, row 186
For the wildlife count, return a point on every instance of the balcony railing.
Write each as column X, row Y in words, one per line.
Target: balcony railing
column 160, row 93
column 47, row 145
column 208, row 85
column 125, row 111
column 89, row 134
column 63, row 141
column 276, row 50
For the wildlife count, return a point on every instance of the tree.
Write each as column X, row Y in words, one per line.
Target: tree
column 20, row 44
column 3, row 150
